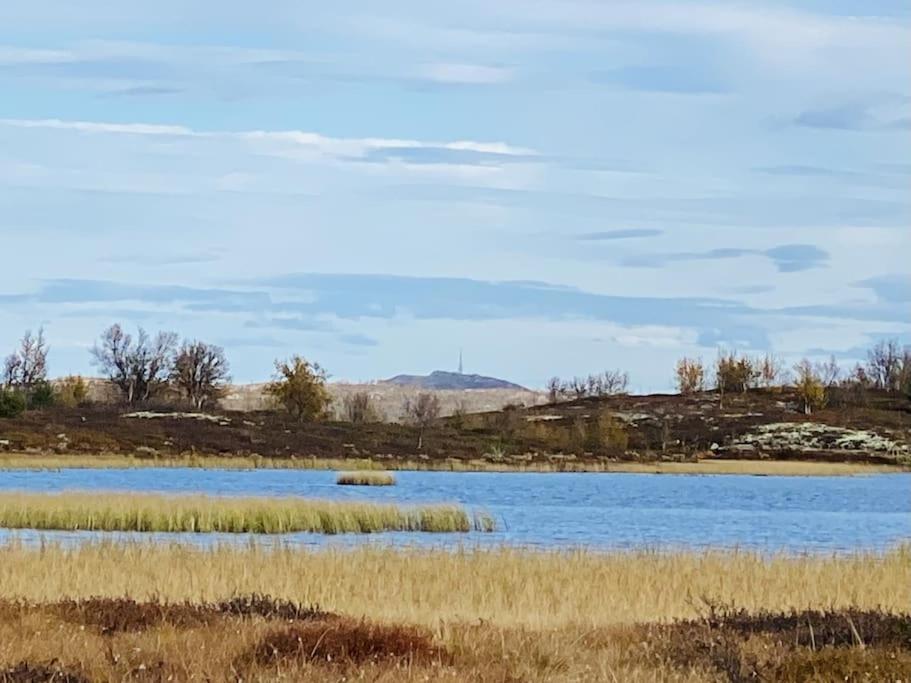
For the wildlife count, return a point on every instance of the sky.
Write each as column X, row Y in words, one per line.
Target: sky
column 554, row 187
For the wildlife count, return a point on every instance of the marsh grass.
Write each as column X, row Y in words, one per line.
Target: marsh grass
column 100, row 511
column 28, row 461
column 365, row 478
column 506, row 587
column 484, row 616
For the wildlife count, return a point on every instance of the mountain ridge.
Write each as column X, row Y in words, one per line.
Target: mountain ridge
column 442, row 379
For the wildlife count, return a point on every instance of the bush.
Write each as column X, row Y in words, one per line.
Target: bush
column 358, row 408
column 12, row 403
column 41, row 396
column 690, row 375
column 72, row 391
column 607, row 434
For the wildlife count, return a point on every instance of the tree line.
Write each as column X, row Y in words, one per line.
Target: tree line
column 145, row 368
column 817, row 384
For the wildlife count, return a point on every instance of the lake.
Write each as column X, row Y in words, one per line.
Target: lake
column 599, row 511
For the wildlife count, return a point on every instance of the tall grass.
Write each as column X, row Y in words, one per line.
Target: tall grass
column 143, row 512
column 505, row 587
column 365, row 478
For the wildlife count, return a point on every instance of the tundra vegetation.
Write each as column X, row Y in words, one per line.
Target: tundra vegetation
column 590, row 422
column 140, row 612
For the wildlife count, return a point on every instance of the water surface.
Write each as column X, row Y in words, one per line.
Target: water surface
column 602, row 511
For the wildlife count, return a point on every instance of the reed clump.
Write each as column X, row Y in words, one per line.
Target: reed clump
column 365, row 478
column 77, row 511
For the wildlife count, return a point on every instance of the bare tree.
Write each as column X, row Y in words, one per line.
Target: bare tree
column 421, row 411
column 884, row 363
column 26, row 367
column 200, row 372
column 829, row 372
column 137, row 368
column 579, row 386
column 770, row 370
column 613, row 383
column 554, row 389
column 358, row 408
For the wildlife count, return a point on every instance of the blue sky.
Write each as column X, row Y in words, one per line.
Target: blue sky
column 554, row 186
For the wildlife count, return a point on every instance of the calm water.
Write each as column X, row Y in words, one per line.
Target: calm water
column 557, row 510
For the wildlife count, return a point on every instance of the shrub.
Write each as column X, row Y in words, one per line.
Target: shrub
column 690, row 375
column 12, row 403
column 71, row 391
column 41, row 395
column 605, row 433
column 358, row 408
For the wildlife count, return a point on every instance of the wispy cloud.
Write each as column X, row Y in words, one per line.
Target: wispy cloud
column 788, row 258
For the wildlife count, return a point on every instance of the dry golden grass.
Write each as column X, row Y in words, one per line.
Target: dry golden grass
column 505, row 587
column 481, row 615
column 101, row 511
column 30, row 461
column 365, row 478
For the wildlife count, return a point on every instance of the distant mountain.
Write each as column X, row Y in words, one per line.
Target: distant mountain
column 440, row 379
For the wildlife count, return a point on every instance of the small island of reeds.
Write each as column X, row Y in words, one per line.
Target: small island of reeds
column 365, row 478
column 80, row 511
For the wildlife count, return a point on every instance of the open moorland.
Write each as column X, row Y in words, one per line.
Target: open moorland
column 758, row 431
column 141, row 612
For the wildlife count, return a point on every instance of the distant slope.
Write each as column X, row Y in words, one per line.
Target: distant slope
column 440, row 380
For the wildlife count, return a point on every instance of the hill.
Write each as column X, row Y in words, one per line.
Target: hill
column 443, row 380
column 585, row 434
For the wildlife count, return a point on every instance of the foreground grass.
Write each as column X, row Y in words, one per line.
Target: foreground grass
column 496, row 615
column 100, row 511
column 29, row 461
column 507, row 587
column 365, row 478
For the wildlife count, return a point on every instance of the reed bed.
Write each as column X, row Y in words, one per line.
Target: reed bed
column 30, row 461
column 504, row 587
column 365, row 478
column 100, row 511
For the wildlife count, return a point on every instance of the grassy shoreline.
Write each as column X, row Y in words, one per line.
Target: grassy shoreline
column 503, row 586
column 103, row 511
column 765, row 467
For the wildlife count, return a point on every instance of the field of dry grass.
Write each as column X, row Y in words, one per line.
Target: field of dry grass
column 104, row 511
column 494, row 615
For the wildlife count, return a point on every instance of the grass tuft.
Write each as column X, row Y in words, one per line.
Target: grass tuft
column 365, row 478
column 204, row 514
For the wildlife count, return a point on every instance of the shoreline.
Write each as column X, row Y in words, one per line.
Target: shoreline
column 720, row 466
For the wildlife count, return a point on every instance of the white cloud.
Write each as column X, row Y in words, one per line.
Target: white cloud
column 329, row 146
